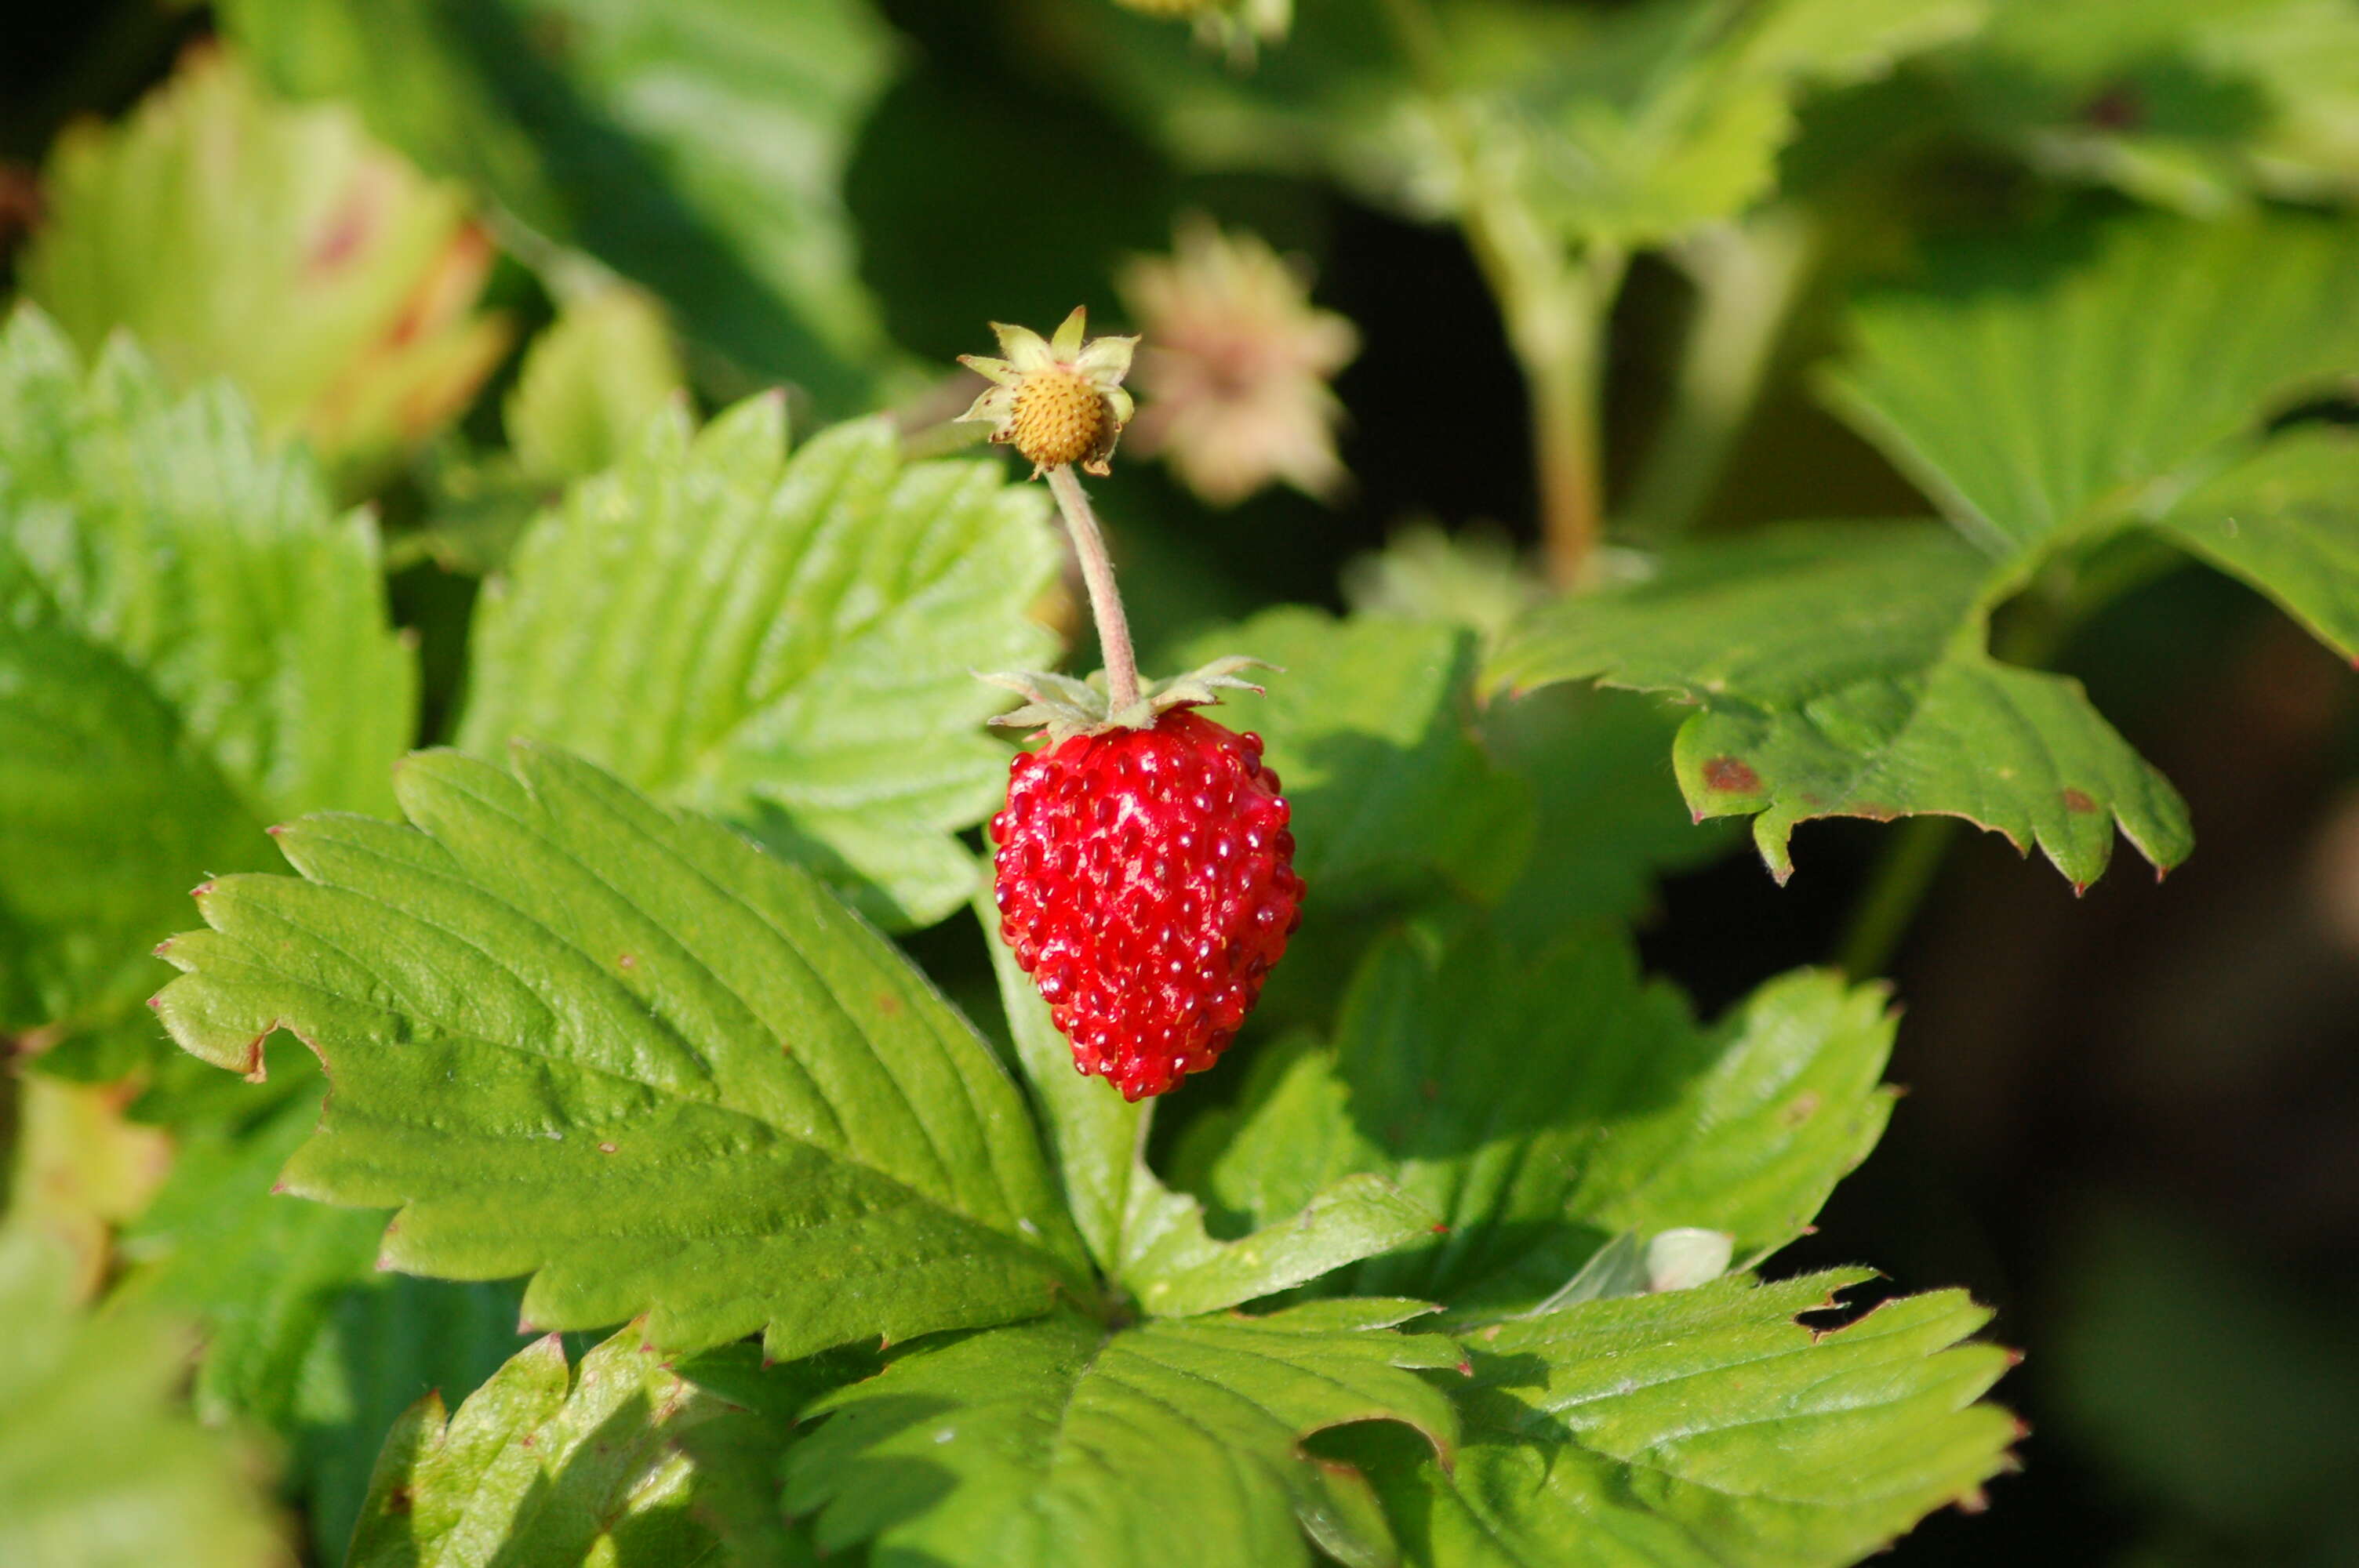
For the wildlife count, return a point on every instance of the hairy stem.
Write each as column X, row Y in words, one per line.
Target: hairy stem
column 1747, row 278
column 1105, row 600
column 1904, row 874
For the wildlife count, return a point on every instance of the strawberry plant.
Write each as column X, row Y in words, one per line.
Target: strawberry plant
column 531, row 974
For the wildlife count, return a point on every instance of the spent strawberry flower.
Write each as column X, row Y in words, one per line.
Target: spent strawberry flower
column 1056, row 400
column 1238, row 365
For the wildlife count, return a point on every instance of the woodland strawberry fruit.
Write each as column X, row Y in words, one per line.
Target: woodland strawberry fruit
column 1145, row 881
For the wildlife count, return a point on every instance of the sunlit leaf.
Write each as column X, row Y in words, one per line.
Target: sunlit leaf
column 277, row 246
column 1176, row 1443
column 696, row 146
column 191, row 647
column 1703, row 1427
column 695, row 1084
column 785, row 641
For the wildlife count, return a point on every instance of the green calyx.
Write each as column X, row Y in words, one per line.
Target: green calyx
column 1061, row 706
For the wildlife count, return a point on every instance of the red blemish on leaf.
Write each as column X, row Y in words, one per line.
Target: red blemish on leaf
column 1466, row 1368
column 202, row 889
column 1731, row 775
column 2078, row 800
column 889, row 1004
column 346, row 233
column 156, row 1000
column 2080, row 890
column 1440, row 1227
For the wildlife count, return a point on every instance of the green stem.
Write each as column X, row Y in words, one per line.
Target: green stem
column 1904, row 874
column 1105, row 600
column 1746, row 278
column 1554, row 308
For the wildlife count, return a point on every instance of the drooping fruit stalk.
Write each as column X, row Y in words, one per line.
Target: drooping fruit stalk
column 1145, row 872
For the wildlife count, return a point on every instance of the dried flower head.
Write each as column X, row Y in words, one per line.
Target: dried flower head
column 1057, row 400
column 1237, row 368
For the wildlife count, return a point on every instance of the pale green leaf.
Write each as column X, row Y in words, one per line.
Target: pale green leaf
column 2287, row 523
column 1704, row 1427
column 785, row 641
column 550, row 1465
column 1839, row 671
column 1542, row 1105
column 191, row 646
column 2197, row 105
column 97, row 1470
column 1369, row 726
column 591, row 383
column 696, row 146
column 1149, row 1239
column 694, row 1084
column 2040, row 399
column 279, row 246
column 1170, row 1444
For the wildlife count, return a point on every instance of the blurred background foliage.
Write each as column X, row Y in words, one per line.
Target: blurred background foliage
column 465, row 249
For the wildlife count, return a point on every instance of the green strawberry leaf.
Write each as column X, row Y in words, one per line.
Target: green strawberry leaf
column 697, row 1086
column 2195, row 105
column 383, row 1346
column 1703, row 1427
column 260, row 1272
column 696, row 146
column 1542, row 1106
column 96, row 1466
column 1608, row 823
column 1149, row 1239
column 277, row 245
column 548, row 1464
column 1368, row 723
column 2036, row 402
column 1839, row 671
column 789, row 644
column 191, row 647
column 589, row 384
column 1059, row 1442
column 2286, row 521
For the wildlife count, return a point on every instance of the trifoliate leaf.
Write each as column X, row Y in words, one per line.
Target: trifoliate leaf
column 191, row 647
column 2286, row 521
column 591, row 383
column 574, row 1035
column 547, row 1464
column 1541, row 1107
column 696, row 146
column 97, row 1470
column 1700, row 1428
column 1172, row 1443
column 277, row 246
column 1149, row 1239
column 785, row 641
column 1840, row 672
column 1369, row 728
column 2040, row 400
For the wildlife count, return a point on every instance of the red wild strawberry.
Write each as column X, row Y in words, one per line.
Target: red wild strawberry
column 1145, row 881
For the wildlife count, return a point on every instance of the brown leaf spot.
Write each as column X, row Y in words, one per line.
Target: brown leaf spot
column 605, row 1148
column 1731, row 775
column 1805, row 1106
column 889, row 1004
column 397, row 1500
column 2078, row 800
column 625, row 961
